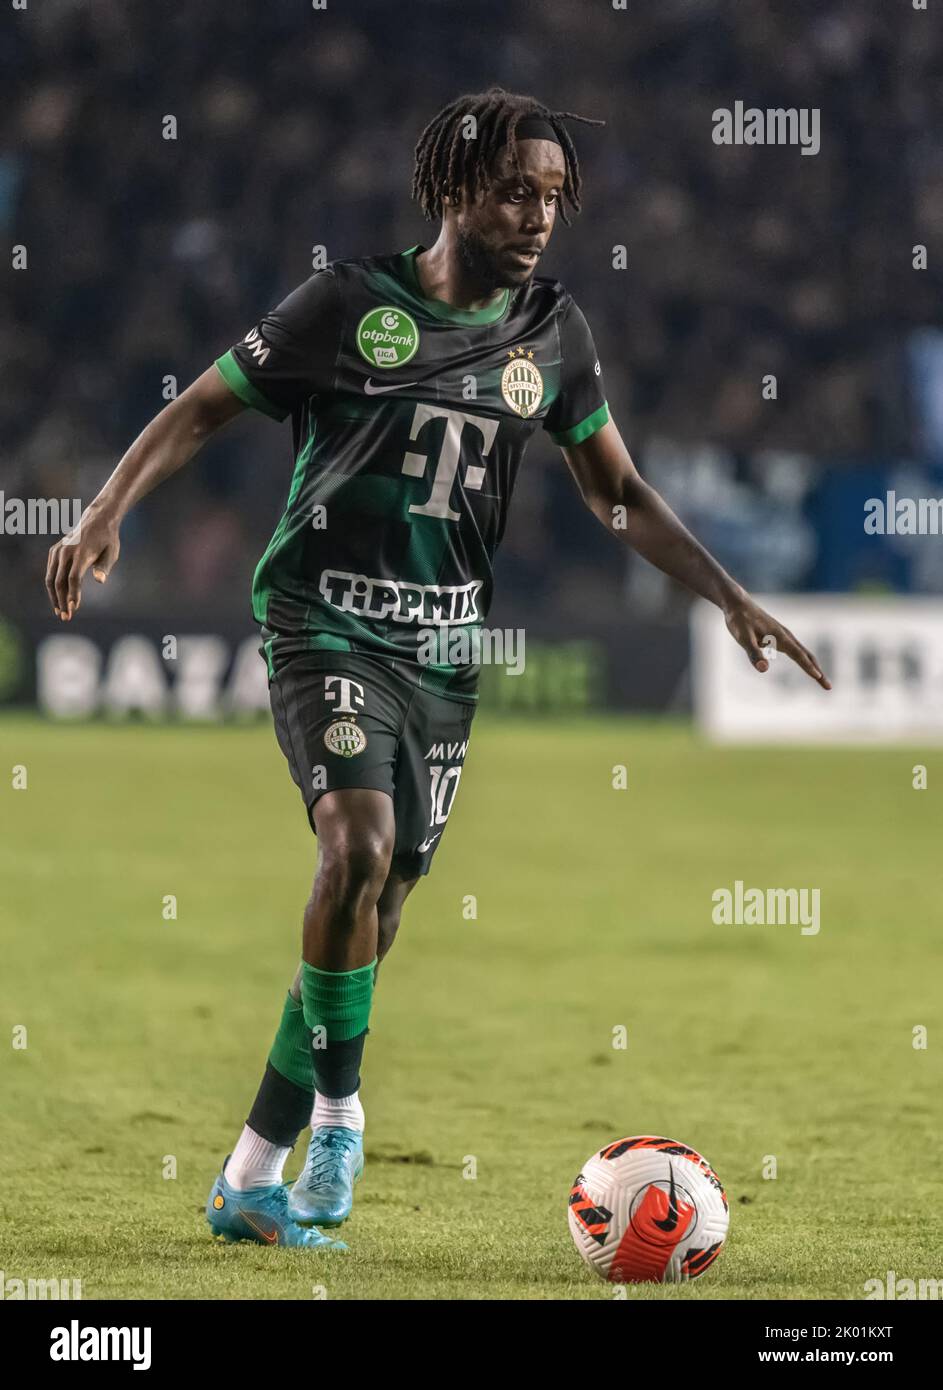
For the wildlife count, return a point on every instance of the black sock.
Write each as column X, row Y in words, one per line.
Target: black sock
column 337, row 1067
column 281, row 1110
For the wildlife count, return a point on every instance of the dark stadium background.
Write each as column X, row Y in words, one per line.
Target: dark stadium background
column 152, row 875
column 295, row 128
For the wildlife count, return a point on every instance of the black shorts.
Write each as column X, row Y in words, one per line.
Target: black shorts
column 349, row 720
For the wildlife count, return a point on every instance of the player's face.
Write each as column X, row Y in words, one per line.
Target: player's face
column 503, row 233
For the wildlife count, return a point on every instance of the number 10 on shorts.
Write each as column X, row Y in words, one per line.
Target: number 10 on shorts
column 444, row 787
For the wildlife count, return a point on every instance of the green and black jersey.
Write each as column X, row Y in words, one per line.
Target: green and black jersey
column 409, row 420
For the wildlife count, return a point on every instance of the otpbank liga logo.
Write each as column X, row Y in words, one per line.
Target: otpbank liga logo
column 387, row 337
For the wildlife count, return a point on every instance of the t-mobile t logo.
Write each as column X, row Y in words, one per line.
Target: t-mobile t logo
column 344, row 695
column 414, row 465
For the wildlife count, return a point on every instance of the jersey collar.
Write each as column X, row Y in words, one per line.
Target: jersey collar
column 438, row 308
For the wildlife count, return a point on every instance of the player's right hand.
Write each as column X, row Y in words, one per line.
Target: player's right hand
column 94, row 542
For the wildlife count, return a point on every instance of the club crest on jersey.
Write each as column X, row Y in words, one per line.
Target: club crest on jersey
column 387, row 337
column 345, row 738
column 522, row 386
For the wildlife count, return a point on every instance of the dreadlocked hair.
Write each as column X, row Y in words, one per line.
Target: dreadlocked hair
column 448, row 164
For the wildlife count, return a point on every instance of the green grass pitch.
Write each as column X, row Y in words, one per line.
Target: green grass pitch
column 491, row 1038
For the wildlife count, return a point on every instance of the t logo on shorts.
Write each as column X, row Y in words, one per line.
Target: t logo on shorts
column 346, row 686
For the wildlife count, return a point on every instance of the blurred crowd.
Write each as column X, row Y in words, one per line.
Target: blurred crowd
column 294, row 127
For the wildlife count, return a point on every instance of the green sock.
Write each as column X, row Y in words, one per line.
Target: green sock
column 291, row 1050
column 337, row 1005
column 337, row 1000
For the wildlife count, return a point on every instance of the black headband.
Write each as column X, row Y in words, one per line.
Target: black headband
column 535, row 128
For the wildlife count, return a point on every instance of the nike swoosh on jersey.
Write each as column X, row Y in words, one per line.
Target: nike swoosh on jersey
column 427, row 844
column 372, row 390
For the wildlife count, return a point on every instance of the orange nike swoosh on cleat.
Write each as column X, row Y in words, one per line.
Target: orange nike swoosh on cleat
column 270, row 1237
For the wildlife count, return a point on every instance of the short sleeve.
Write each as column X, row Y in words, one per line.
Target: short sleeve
column 290, row 354
column 580, row 408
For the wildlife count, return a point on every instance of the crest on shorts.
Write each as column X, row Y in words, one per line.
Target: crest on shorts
column 522, row 386
column 345, row 738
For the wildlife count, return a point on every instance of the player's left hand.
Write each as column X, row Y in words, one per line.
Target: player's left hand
column 752, row 628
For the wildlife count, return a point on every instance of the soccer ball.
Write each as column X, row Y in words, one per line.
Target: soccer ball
column 648, row 1210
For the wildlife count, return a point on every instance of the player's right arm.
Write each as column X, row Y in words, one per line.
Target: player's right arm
column 165, row 445
column 286, row 358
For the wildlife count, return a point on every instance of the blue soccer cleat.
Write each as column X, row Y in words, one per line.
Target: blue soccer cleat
column 260, row 1215
column 324, row 1192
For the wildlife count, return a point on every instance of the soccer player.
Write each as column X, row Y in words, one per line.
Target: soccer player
column 413, row 382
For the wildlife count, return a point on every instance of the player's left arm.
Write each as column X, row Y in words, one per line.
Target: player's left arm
column 609, row 482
